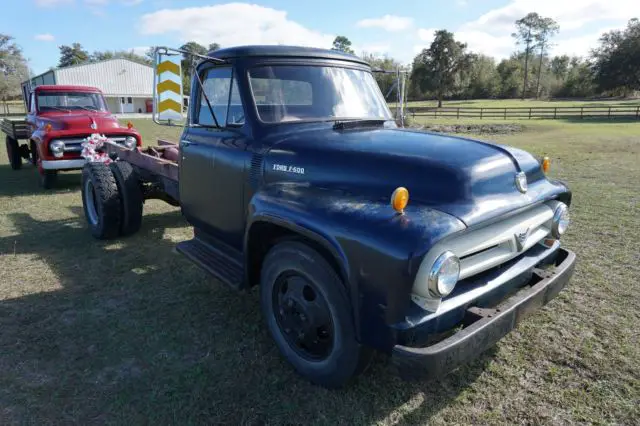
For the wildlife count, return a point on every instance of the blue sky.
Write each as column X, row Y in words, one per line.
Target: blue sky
column 398, row 28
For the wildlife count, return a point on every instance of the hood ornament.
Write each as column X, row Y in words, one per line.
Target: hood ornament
column 521, row 182
column 521, row 238
column 93, row 124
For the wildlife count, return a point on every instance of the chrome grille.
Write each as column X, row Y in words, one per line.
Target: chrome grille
column 75, row 144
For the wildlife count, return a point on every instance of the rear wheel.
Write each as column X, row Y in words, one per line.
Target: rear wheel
column 13, row 152
column 101, row 201
column 308, row 313
column 130, row 196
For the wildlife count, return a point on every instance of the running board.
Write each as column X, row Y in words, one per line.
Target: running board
column 212, row 260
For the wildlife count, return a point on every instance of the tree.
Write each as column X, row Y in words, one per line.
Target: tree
column 386, row 81
column 213, row 47
column 438, row 68
column 617, row 59
column 188, row 63
column 560, row 67
column 342, row 44
column 482, row 80
column 546, row 28
column 123, row 54
column 13, row 68
column 510, row 73
column 526, row 30
column 72, row 55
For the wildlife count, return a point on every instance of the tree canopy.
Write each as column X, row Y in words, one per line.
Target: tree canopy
column 617, row 59
column 342, row 44
column 72, row 55
column 13, row 67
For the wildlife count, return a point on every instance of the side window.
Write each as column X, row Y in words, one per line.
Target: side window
column 32, row 103
column 216, row 83
column 235, row 116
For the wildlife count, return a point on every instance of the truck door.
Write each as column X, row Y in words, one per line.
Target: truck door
column 213, row 157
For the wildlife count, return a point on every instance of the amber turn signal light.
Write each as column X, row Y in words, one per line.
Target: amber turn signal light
column 47, row 128
column 129, row 125
column 546, row 164
column 400, row 199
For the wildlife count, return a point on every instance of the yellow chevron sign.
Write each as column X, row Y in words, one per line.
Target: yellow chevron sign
column 169, row 66
column 169, row 87
column 169, row 105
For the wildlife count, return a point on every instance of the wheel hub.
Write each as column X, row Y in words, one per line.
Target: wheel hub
column 303, row 317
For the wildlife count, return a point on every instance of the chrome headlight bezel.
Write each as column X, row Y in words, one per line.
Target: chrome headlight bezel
column 130, row 142
column 440, row 286
column 57, row 148
column 560, row 221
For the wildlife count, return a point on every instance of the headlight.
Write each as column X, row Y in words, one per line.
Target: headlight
column 560, row 220
column 444, row 274
column 57, row 148
column 130, row 142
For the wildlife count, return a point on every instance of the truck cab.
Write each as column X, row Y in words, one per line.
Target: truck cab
column 58, row 120
column 360, row 235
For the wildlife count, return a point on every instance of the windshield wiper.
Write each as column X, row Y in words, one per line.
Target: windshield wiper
column 358, row 122
column 87, row 108
column 57, row 108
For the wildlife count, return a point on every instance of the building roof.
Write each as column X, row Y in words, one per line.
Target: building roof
column 283, row 51
column 114, row 77
column 66, row 88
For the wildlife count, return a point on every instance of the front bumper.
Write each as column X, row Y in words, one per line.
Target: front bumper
column 485, row 326
column 63, row 164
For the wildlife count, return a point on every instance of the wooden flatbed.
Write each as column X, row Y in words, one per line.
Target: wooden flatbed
column 14, row 128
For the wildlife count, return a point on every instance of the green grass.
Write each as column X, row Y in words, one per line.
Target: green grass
column 128, row 332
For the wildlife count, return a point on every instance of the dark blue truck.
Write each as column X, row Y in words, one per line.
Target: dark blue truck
column 360, row 235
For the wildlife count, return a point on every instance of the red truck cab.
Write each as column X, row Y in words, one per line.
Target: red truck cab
column 59, row 119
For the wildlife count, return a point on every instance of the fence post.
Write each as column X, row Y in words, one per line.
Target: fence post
column 555, row 113
column 458, row 113
column 609, row 116
column 505, row 113
column 638, row 112
column 581, row 112
column 481, row 113
column 530, row 113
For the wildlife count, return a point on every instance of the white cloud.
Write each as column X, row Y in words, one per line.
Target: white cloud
column 387, row 23
column 44, row 37
column 569, row 14
column 232, row 24
column 491, row 33
column 51, row 3
column 376, row 49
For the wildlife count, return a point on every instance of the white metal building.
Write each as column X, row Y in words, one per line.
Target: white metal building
column 127, row 85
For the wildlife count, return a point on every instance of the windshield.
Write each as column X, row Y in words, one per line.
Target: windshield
column 316, row 93
column 70, row 101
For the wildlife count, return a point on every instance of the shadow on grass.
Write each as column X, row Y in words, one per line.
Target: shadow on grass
column 136, row 334
column 25, row 181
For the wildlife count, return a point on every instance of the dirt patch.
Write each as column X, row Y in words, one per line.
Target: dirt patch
column 489, row 129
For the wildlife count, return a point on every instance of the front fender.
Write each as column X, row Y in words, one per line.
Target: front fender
column 374, row 246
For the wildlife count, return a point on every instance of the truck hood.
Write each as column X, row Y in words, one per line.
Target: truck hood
column 81, row 121
column 469, row 179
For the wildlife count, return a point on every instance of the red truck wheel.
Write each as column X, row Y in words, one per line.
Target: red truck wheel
column 13, row 152
column 101, row 201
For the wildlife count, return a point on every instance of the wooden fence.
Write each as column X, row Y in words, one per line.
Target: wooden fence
column 11, row 109
column 523, row 113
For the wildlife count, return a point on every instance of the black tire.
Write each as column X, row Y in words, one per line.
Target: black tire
column 13, row 152
column 48, row 178
column 100, row 201
column 345, row 357
column 130, row 197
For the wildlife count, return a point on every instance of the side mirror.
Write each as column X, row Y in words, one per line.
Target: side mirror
column 167, row 88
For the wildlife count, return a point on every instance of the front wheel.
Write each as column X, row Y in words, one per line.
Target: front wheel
column 308, row 313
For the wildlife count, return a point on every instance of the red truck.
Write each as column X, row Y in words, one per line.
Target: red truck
column 59, row 118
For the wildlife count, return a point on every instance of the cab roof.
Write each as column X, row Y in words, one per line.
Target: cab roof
column 283, row 51
column 66, row 88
